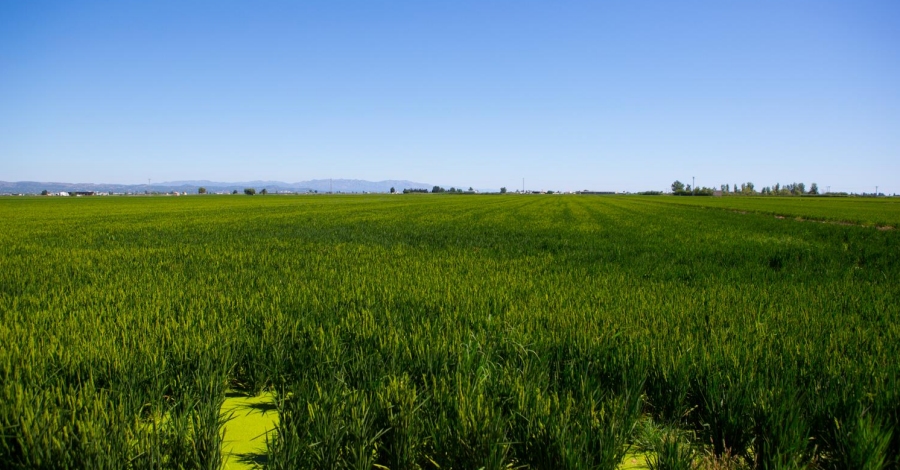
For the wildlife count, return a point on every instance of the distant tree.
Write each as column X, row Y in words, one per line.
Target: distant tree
column 800, row 188
column 249, row 191
column 471, row 190
column 687, row 189
column 677, row 186
column 393, row 190
column 724, row 188
column 44, row 193
column 777, row 188
column 503, row 190
column 202, row 190
column 437, row 189
column 264, row 192
column 234, row 192
column 814, row 189
column 549, row 192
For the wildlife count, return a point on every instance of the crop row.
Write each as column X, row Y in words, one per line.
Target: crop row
column 880, row 212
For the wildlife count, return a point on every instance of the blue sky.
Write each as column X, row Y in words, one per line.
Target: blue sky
column 620, row 95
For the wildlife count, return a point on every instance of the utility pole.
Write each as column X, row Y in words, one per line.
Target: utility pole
column 693, row 186
column 523, row 185
column 876, row 190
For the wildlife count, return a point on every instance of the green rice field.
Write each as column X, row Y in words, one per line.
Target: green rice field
column 449, row 332
column 876, row 212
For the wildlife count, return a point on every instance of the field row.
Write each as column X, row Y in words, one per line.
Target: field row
column 879, row 212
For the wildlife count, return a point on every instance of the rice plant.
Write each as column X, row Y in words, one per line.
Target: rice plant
column 440, row 331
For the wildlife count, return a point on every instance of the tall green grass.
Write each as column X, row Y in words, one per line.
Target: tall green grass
column 883, row 212
column 444, row 332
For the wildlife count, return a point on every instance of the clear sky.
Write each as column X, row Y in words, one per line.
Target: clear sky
column 606, row 95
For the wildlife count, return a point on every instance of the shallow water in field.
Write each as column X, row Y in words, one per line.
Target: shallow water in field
column 252, row 418
column 633, row 462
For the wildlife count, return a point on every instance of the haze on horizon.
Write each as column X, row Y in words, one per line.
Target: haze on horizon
column 624, row 96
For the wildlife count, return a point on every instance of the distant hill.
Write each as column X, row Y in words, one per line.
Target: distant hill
column 322, row 186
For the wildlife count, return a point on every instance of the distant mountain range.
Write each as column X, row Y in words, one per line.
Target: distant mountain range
column 322, row 186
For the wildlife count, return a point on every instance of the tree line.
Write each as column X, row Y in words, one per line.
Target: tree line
column 748, row 188
column 438, row 189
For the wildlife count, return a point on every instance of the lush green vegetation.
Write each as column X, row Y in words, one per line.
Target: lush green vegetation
column 882, row 212
column 439, row 331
